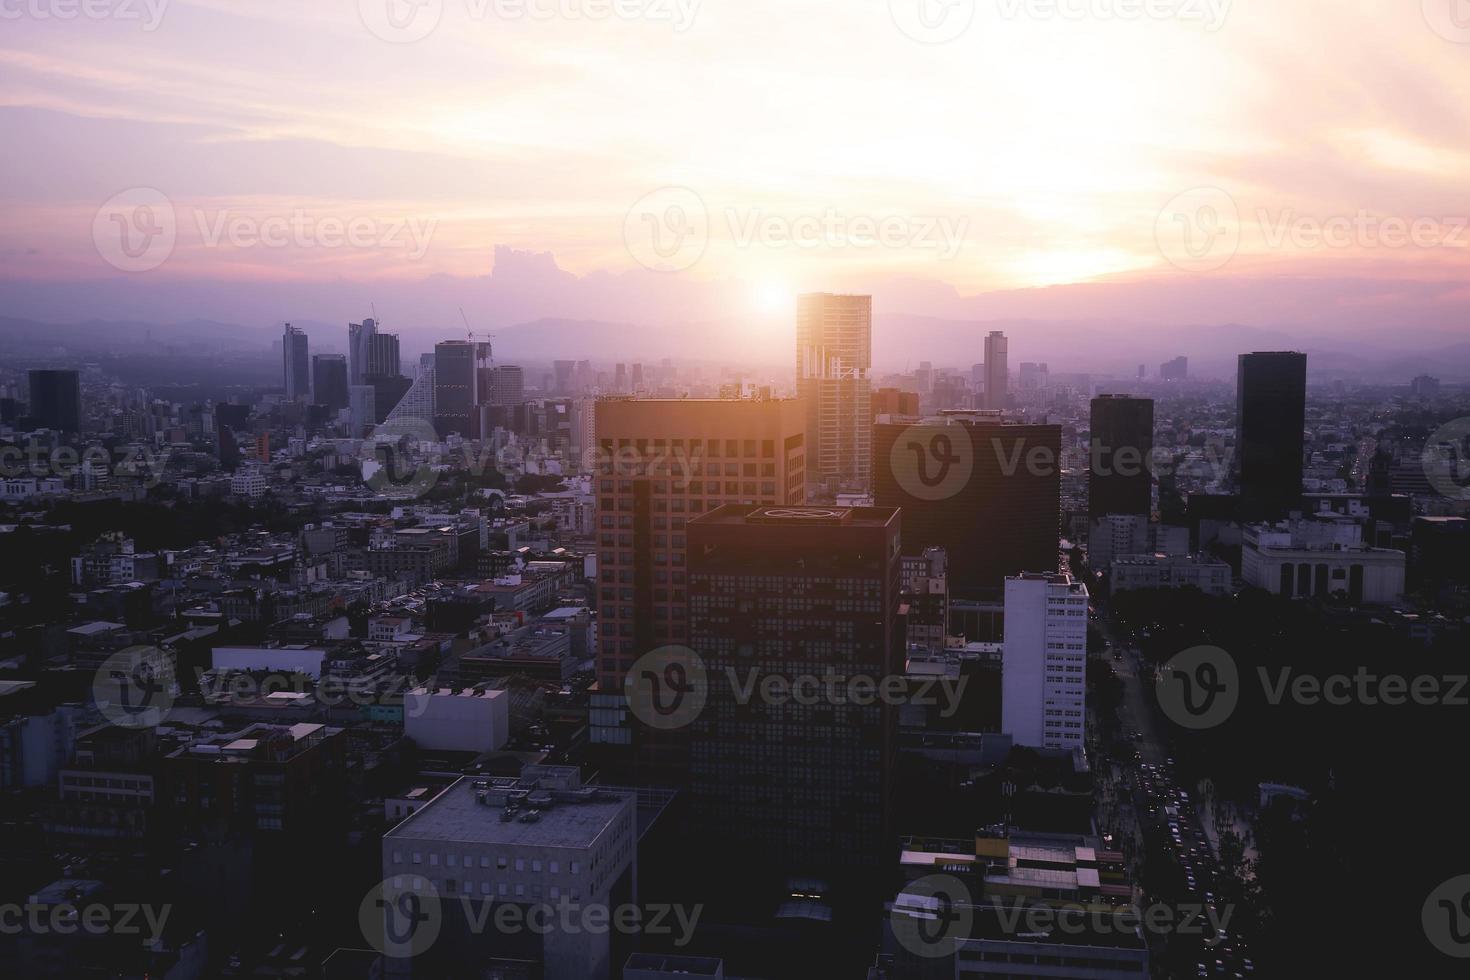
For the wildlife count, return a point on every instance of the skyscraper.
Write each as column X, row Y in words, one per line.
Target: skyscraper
column 660, row 463
column 1044, row 661
column 800, row 785
column 834, row 353
column 986, row 491
column 382, row 357
column 359, row 335
column 329, row 381
column 297, row 364
column 1175, row 370
column 456, row 384
column 997, row 370
column 505, row 386
column 1270, row 416
column 56, row 400
column 1119, row 479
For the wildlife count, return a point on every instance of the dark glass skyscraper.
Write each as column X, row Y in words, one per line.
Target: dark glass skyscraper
column 1119, row 480
column 986, row 491
column 297, row 363
column 777, row 594
column 56, row 400
column 329, row 380
column 1270, row 416
column 456, row 381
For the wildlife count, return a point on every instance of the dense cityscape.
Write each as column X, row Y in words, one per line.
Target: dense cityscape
column 734, row 489
column 446, row 666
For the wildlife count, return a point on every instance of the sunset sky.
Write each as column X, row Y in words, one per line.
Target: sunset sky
column 1036, row 147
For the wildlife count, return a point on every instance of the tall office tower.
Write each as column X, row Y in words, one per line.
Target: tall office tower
column 620, row 379
column 986, row 491
column 329, row 380
column 359, row 336
column 382, row 357
column 56, row 400
column 997, row 370
column 505, row 386
column 834, row 353
column 297, row 364
column 635, row 377
column 362, row 401
column 1119, row 478
column 660, row 463
column 565, row 372
column 1175, row 370
column 1044, row 661
column 456, row 386
column 1270, row 416
column 796, row 785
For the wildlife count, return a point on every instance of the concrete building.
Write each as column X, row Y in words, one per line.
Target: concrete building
column 1114, row 535
column 468, row 720
column 1044, row 671
column 1320, row 556
column 997, row 370
column 542, row 842
column 1209, row 575
column 799, row 785
column 834, row 353
column 661, row 463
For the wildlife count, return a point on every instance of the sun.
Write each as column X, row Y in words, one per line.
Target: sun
column 772, row 298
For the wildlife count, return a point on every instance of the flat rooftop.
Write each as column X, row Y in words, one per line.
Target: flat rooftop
column 456, row 815
column 743, row 514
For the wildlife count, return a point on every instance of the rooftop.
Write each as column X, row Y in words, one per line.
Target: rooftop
column 471, row 810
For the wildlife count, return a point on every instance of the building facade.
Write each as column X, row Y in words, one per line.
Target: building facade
column 1044, row 671
column 834, row 354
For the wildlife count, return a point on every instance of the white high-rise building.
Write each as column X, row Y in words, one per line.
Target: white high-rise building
column 1044, row 665
column 834, row 353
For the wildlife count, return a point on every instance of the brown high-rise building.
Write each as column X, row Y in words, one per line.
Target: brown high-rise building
column 894, row 401
column 987, row 491
column 779, row 596
column 834, row 352
column 659, row 464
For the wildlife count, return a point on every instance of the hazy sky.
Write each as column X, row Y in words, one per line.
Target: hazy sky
column 786, row 144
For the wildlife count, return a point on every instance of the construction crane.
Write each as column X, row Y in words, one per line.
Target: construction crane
column 471, row 335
